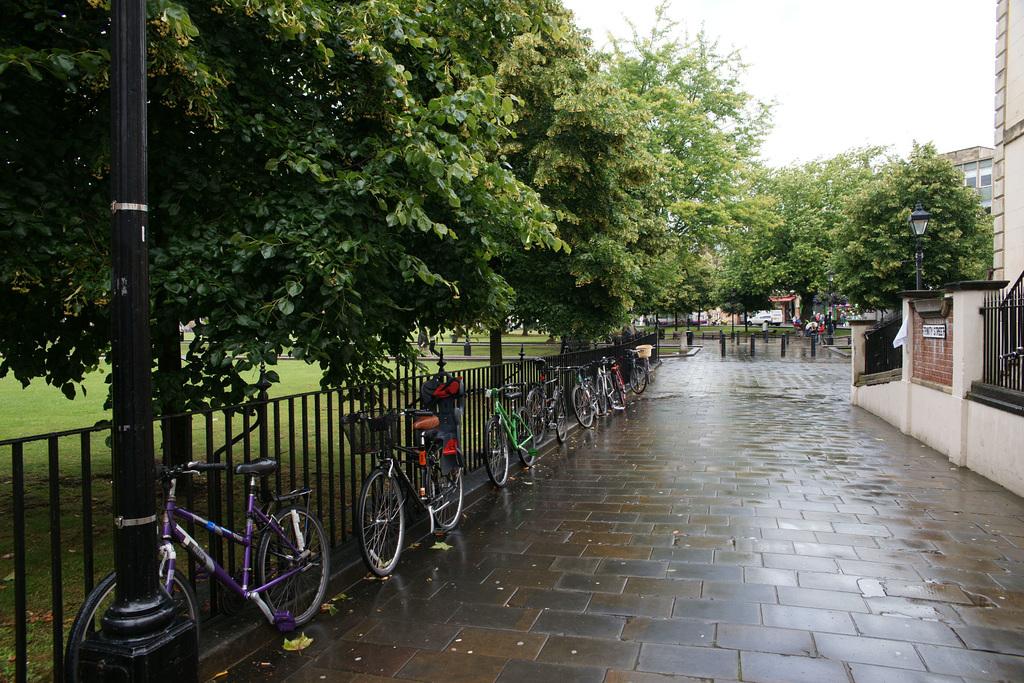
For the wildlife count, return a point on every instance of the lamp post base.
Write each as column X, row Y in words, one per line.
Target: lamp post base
column 171, row 656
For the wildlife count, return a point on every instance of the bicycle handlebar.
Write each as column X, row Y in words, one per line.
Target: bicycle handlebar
column 195, row 467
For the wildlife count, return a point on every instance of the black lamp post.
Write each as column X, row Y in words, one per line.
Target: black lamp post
column 918, row 222
column 829, row 320
column 142, row 638
column 732, row 311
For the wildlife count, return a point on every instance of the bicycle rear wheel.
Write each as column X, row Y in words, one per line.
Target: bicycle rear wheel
column 496, row 452
column 583, row 403
column 447, row 503
column 619, row 392
column 380, row 522
column 638, row 377
column 95, row 606
column 561, row 418
column 535, row 412
column 303, row 592
column 521, row 427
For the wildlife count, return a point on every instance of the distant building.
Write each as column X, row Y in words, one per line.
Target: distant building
column 976, row 165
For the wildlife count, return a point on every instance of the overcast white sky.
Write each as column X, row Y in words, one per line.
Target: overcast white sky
column 844, row 73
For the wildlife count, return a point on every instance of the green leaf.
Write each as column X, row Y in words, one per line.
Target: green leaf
column 299, row 643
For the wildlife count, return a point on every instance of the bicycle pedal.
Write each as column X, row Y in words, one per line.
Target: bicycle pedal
column 284, row 621
column 532, row 452
column 619, row 407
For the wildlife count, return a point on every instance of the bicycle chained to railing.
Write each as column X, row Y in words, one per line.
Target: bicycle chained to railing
column 507, row 430
column 614, row 386
column 640, row 372
column 286, row 560
column 584, row 395
column 427, row 474
column 545, row 404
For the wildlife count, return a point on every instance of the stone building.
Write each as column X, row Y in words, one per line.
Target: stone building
column 976, row 165
column 1008, row 162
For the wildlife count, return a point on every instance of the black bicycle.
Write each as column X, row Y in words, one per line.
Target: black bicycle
column 584, row 396
column 380, row 510
column 640, row 374
column 545, row 405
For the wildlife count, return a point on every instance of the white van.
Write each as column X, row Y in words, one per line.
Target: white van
column 773, row 318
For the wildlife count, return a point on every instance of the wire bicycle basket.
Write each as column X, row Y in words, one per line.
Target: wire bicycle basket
column 368, row 434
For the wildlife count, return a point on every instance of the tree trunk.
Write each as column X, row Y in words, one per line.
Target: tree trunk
column 176, row 432
column 496, row 360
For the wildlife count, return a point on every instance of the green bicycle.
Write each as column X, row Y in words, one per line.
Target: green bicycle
column 504, row 431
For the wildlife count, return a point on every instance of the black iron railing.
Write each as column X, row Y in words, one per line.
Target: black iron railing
column 1003, row 316
column 55, row 492
column 879, row 354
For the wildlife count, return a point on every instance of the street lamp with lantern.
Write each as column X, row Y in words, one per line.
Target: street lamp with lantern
column 732, row 311
column 829, row 318
column 918, row 222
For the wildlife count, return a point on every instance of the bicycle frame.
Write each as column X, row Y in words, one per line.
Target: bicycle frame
column 584, row 380
column 615, row 373
column 421, row 500
column 254, row 515
column 507, row 420
column 394, row 455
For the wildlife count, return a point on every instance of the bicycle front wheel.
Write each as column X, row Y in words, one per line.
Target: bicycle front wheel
column 638, row 378
column 447, row 504
column 561, row 418
column 496, row 452
column 380, row 522
column 521, row 427
column 535, row 415
column 601, row 394
column 303, row 547
column 95, row 606
column 583, row 403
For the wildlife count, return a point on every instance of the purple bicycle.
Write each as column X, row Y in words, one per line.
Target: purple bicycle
column 287, row 581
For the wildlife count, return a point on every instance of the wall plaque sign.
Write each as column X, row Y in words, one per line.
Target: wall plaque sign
column 933, row 331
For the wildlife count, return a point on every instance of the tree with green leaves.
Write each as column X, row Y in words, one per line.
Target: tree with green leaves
column 580, row 144
column 875, row 247
column 323, row 176
column 705, row 131
column 792, row 217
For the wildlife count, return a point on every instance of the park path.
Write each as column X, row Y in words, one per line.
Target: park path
column 740, row 521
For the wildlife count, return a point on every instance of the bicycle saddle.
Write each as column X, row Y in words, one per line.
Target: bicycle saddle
column 261, row 467
column 427, row 422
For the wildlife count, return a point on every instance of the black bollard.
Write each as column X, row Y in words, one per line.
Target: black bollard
column 782, row 345
column 467, row 350
column 814, row 340
column 753, row 339
column 721, row 339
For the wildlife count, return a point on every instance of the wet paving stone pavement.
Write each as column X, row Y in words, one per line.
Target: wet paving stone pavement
column 740, row 521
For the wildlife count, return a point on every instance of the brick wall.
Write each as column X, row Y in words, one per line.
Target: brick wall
column 933, row 358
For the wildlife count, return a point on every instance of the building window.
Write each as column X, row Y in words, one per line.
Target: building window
column 978, row 174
